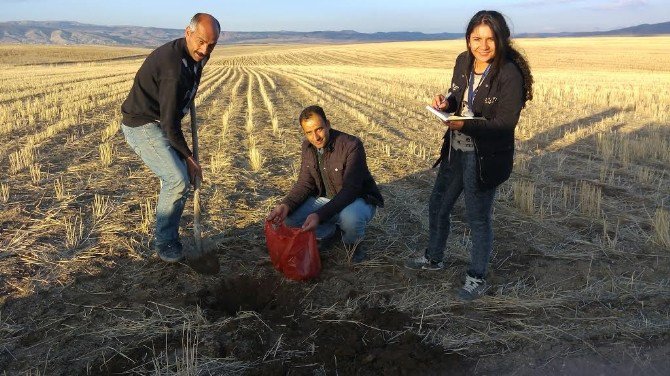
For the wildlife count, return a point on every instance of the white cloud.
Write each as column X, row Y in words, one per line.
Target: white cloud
column 544, row 2
column 620, row 4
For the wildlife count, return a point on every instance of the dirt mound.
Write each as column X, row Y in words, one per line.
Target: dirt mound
column 354, row 348
column 286, row 338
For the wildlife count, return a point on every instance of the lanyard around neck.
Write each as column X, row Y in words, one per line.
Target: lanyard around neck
column 472, row 91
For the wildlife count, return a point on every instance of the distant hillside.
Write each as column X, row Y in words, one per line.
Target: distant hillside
column 639, row 30
column 65, row 32
column 344, row 36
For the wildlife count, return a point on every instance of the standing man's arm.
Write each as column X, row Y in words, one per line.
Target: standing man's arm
column 170, row 121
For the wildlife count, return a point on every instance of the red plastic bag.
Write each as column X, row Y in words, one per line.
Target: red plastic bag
column 292, row 252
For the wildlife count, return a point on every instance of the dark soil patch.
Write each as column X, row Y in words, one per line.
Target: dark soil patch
column 269, row 295
column 286, row 338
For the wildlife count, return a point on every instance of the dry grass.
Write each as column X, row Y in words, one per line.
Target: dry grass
column 147, row 216
column 580, row 257
column 662, row 227
column 4, row 192
column 74, row 231
column 59, row 189
column 49, row 54
column 255, row 159
column 590, row 198
column 524, row 196
column 106, row 153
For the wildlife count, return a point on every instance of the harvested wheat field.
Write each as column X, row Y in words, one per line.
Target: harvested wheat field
column 581, row 264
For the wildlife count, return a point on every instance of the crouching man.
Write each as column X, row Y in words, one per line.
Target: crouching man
column 334, row 187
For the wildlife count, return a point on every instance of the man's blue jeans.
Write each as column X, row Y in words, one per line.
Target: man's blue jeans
column 151, row 144
column 457, row 175
column 352, row 219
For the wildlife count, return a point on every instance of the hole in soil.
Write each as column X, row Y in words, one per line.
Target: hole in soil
column 266, row 295
column 384, row 318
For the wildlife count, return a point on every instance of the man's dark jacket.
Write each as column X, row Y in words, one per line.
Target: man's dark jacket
column 345, row 165
column 499, row 99
column 163, row 88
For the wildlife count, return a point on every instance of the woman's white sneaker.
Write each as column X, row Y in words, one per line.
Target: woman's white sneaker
column 473, row 288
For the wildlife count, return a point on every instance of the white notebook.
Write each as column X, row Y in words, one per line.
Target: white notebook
column 447, row 116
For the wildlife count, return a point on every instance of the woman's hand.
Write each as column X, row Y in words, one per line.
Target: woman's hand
column 440, row 102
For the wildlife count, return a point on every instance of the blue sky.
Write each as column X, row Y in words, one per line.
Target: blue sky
column 360, row 15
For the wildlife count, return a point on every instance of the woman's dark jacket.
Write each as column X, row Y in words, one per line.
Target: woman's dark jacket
column 499, row 99
column 345, row 166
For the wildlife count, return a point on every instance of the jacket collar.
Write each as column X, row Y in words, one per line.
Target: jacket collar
column 181, row 43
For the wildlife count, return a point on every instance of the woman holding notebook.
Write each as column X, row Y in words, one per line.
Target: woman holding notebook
column 491, row 83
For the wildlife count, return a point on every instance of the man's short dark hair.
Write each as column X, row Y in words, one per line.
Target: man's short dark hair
column 310, row 111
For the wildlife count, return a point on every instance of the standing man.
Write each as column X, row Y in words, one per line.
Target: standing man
column 162, row 92
column 334, row 188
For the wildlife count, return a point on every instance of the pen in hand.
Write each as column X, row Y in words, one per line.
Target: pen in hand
column 441, row 101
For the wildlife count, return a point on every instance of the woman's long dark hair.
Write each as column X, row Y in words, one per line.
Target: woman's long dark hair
column 504, row 48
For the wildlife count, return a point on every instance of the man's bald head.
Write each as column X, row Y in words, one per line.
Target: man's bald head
column 204, row 17
column 202, row 34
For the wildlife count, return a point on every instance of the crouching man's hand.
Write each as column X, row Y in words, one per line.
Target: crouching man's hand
column 278, row 214
column 311, row 223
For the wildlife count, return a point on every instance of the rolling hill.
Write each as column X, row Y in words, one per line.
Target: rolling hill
column 68, row 33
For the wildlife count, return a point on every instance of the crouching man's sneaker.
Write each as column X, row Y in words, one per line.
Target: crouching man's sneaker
column 473, row 288
column 423, row 263
column 170, row 252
